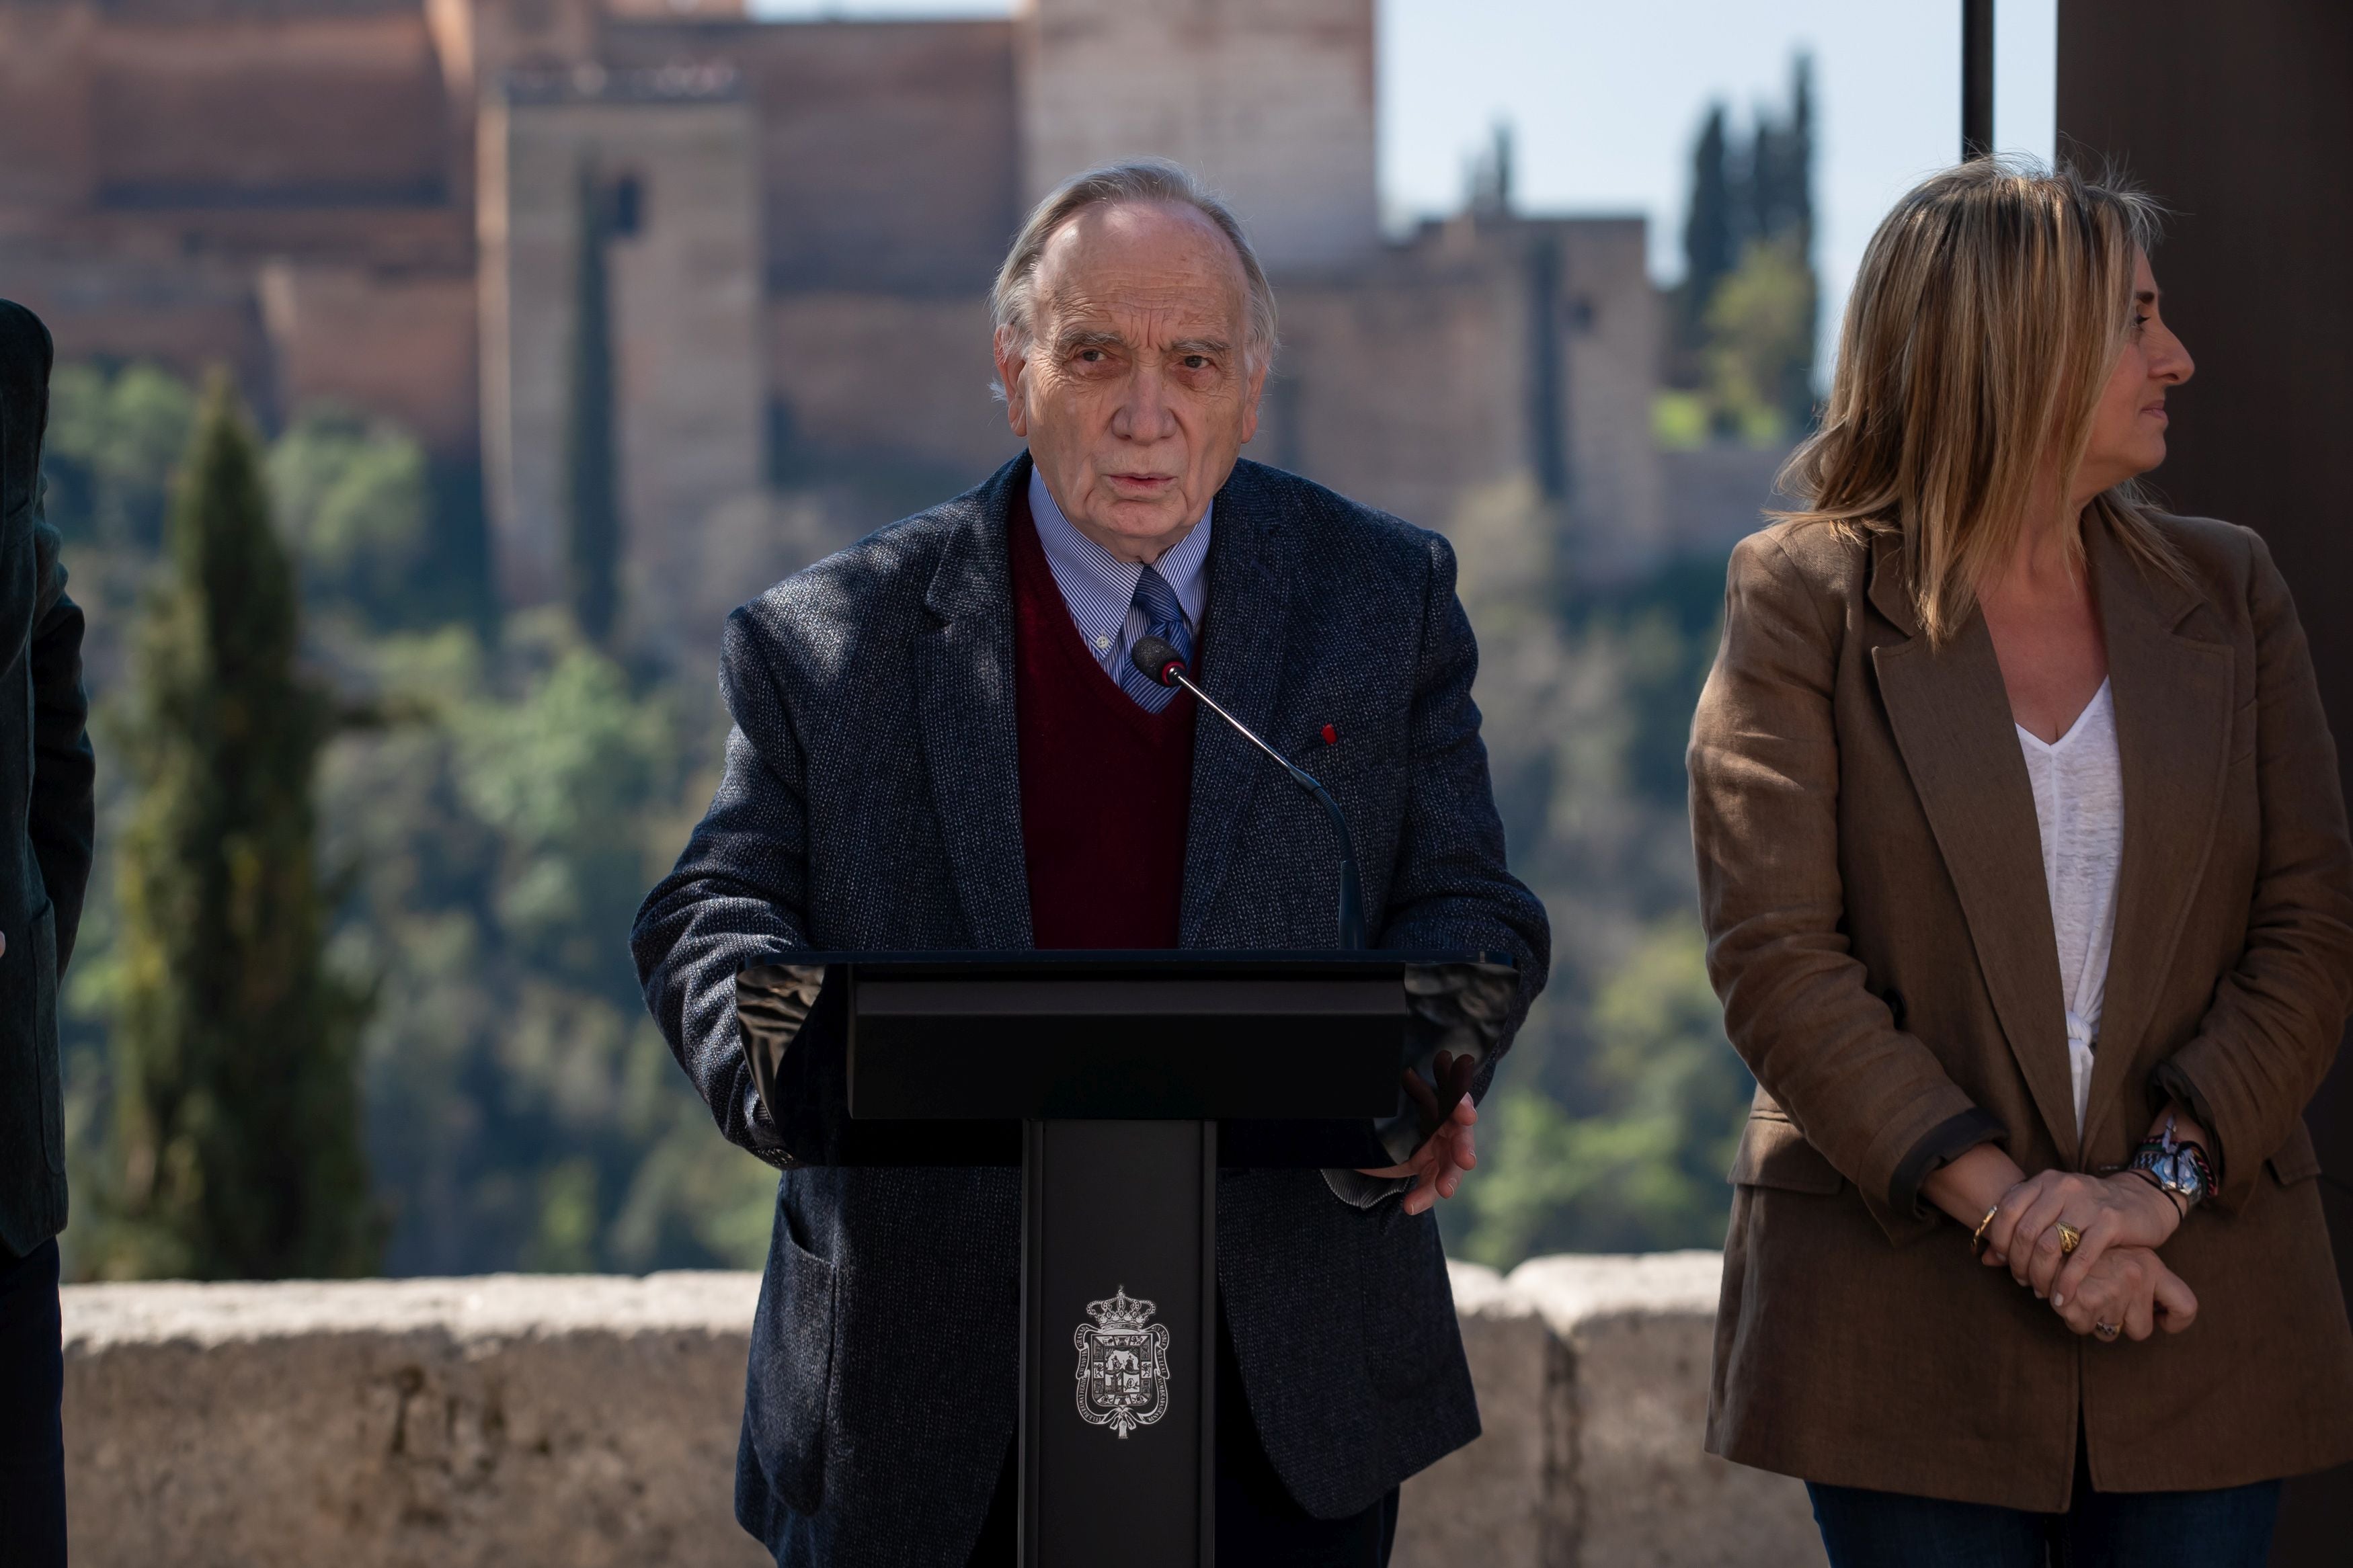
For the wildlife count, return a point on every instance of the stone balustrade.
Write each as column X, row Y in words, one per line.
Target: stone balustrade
column 520, row 1420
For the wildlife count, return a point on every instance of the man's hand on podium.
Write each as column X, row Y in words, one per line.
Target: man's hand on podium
column 1437, row 1166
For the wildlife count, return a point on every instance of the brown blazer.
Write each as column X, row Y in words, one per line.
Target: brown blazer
column 1871, row 879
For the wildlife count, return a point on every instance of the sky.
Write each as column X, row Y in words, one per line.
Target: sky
column 1605, row 97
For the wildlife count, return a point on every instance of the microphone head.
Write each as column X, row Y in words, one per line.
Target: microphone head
column 1157, row 658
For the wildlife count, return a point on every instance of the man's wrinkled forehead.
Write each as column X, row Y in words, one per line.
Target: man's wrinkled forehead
column 1164, row 269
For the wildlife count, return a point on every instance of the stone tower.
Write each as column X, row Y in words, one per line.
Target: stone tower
column 674, row 151
column 1269, row 100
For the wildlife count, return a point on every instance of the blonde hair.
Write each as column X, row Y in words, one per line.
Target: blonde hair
column 1987, row 313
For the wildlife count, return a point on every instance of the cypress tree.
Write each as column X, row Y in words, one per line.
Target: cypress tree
column 237, row 1100
column 591, row 499
column 1710, row 229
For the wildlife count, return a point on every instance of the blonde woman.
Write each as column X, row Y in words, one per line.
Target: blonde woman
column 2024, row 868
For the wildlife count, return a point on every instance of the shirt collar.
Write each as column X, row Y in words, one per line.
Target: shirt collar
column 1083, row 569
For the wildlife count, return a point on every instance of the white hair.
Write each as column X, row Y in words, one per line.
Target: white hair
column 1012, row 300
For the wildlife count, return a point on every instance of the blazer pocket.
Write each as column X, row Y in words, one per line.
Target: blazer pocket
column 791, row 1383
column 1773, row 1153
column 2297, row 1159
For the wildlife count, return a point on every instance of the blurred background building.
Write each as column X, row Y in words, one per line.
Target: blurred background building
column 557, row 328
column 384, row 203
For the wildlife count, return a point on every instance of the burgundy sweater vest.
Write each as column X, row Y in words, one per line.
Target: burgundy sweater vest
column 1105, row 786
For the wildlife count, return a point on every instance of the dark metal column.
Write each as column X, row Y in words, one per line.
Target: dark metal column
column 1976, row 79
column 2238, row 118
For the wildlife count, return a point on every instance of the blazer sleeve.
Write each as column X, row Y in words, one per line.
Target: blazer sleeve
column 1448, row 888
column 736, row 896
column 1764, row 766
column 62, row 821
column 2268, row 1038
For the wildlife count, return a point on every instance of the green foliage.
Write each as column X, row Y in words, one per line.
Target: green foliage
column 113, row 440
column 1760, row 346
column 1745, row 310
column 237, row 1126
column 499, row 816
column 522, row 1108
column 1607, row 1127
column 353, row 499
column 1645, row 1170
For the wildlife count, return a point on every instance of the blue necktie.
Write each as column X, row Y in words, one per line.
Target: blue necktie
column 1163, row 618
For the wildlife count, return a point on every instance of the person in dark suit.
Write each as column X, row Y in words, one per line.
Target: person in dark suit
column 46, row 825
column 938, row 744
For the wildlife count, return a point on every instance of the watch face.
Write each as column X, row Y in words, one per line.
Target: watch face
column 2180, row 1172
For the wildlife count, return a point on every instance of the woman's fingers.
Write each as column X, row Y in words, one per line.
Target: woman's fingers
column 2098, row 1237
column 2175, row 1304
column 2027, row 1210
column 2140, row 1317
column 2006, row 1215
column 2034, row 1252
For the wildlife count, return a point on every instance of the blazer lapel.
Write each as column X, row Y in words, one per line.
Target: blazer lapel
column 1244, row 635
column 2173, row 696
column 1950, row 713
column 971, row 748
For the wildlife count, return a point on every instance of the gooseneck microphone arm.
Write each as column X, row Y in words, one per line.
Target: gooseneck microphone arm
column 1159, row 660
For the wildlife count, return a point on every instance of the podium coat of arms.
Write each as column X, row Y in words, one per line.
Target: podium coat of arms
column 1123, row 1374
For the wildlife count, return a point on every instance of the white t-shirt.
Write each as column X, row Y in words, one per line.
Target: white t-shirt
column 2079, row 803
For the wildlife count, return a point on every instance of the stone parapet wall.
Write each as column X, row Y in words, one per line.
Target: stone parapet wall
column 522, row 1420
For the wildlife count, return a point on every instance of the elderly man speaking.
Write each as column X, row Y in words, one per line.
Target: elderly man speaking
column 940, row 743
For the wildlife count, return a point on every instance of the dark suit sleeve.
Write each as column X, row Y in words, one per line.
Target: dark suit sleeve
column 2270, row 1034
column 735, row 897
column 1448, row 890
column 62, row 821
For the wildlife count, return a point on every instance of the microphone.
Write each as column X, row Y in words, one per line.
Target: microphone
column 1157, row 658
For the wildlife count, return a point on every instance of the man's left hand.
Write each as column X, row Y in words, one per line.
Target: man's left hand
column 1439, row 1165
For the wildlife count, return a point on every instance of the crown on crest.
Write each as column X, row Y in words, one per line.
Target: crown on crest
column 1122, row 1313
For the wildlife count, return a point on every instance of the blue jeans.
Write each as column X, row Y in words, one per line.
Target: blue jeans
column 2230, row 1528
column 32, row 1442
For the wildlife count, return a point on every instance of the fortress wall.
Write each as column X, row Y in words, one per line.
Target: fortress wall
column 397, row 344
column 862, row 374
column 319, row 111
column 888, row 148
column 47, row 160
column 1610, row 321
column 1214, row 85
column 1404, row 388
column 189, row 316
column 525, row 1420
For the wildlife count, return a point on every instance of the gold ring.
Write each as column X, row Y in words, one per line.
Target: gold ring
column 2070, row 1238
column 2108, row 1331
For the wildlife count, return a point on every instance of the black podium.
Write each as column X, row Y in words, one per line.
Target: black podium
column 1118, row 1082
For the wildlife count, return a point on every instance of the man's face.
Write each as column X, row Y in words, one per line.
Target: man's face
column 1135, row 392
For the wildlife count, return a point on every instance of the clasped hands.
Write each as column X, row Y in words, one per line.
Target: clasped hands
column 2113, row 1279
column 1447, row 1153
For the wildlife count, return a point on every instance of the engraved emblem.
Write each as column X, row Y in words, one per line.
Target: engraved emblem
column 1123, row 1376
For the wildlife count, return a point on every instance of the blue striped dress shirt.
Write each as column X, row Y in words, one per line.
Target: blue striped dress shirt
column 1099, row 588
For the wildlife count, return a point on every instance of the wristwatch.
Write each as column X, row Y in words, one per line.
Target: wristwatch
column 2178, row 1168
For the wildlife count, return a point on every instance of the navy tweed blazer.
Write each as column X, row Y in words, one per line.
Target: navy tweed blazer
column 872, row 801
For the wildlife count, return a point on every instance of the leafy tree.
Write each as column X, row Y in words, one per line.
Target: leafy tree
column 1747, row 305
column 523, row 1110
column 1646, row 1170
column 112, row 442
column 236, row 1130
column 353, row 499
column 592, row 489
column 1760, row 350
